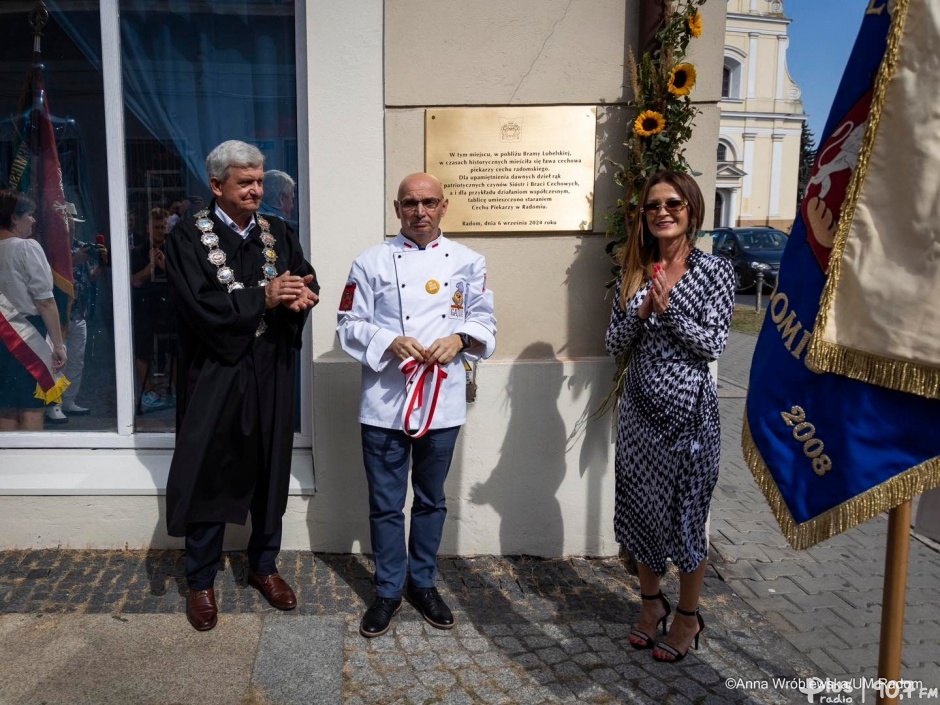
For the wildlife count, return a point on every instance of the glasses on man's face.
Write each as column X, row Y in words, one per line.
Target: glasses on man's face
column 410, row 205
column 672, row 206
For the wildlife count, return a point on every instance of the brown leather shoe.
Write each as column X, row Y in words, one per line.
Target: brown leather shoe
column 201, row 610
column 275, row 590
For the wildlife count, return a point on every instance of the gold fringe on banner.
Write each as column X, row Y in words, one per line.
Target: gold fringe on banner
column 852, row 512
column 904, row 376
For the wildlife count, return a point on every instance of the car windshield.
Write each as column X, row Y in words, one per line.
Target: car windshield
column 763, row 240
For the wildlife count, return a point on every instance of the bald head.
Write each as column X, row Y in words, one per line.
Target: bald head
column 420, row 177
column 420, row 207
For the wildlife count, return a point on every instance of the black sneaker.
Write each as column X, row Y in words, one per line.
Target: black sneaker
column 429, row 603
column 376, row 620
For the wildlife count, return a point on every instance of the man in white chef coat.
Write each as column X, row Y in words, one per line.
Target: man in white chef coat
column 420, row 301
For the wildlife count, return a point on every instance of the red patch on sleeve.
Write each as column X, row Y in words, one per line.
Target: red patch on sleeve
column 346, row 301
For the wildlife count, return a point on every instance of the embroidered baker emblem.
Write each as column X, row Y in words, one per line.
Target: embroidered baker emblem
column 457, row 308
column 432, row 287
column 346, row 300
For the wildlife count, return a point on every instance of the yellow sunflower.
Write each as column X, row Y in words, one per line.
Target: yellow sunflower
column 682, row 79
column 649, row 123
column 695, row 24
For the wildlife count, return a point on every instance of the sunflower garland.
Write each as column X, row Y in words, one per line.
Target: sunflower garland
column 662, row 83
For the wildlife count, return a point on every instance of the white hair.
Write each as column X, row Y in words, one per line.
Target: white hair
column 232, row 153
column 277, row 182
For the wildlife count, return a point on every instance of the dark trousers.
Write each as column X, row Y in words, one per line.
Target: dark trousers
column 386, row 454
column 204, row 548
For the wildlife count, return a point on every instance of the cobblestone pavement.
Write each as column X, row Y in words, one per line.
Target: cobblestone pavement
column 826, row 600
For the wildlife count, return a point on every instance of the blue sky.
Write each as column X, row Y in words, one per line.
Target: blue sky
column 821, row 36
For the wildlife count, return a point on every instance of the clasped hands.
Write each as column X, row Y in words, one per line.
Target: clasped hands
column 291, row 291
column 441, row 351
column 657, row 299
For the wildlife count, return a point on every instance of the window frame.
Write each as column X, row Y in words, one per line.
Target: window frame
column 735, row 69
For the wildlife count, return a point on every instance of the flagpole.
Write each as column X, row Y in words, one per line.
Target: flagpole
column 893, row 596
column 38, row 17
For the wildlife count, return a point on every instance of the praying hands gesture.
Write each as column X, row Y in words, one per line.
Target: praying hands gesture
column 657, row 300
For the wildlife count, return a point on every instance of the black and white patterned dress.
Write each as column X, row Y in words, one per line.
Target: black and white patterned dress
column 669, row 435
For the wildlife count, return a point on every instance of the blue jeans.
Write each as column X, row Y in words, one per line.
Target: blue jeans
column 386, row 454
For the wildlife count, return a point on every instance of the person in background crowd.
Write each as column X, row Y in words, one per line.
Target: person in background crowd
column 178, row 211
column 88, row 262
column 279, row 193
column 242, row 291
column 417, row 299
column 26, row 298
column 672, row 308
column 154, row 324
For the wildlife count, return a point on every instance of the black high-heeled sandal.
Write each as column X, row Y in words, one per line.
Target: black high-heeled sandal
column 672, row 651
column 647, row 639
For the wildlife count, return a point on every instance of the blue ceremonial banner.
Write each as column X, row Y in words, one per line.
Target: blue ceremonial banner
column 830, row 451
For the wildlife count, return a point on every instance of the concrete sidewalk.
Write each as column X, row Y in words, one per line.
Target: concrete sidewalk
column 101, row 627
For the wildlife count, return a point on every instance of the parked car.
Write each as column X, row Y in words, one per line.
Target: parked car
column 751, row 250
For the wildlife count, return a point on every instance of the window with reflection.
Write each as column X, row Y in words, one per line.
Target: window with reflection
column 195, row 74
column 53, row 152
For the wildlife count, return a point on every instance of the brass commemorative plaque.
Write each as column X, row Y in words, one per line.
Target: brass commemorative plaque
column 512, row 168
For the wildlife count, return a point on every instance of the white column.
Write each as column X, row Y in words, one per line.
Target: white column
column 752, row 65
column 735, row 200
column 755, row 4
column 782, row 43
column 776, row 171
column 748, row 181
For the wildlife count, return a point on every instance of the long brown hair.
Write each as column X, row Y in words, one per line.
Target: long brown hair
column 636, row 258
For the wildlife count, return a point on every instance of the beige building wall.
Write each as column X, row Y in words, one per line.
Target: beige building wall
column 533, row 471
column 761, row 119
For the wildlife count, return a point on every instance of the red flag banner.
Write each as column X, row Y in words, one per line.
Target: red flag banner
column 37, row 173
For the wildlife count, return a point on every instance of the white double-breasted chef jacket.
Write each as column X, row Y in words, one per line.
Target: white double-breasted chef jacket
column 396, row 289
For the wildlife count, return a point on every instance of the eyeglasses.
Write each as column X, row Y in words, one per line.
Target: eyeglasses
column 409, row 205
column 672, row 206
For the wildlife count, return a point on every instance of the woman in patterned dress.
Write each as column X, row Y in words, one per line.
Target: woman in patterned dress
column 672, row 309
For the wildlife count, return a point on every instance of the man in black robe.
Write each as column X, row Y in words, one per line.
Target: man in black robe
column 242, row 290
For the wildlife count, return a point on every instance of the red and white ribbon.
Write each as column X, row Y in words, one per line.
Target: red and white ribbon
column 32, row 350
column 422, row 378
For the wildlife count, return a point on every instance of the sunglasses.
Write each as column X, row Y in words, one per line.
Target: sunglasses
column 672, row 206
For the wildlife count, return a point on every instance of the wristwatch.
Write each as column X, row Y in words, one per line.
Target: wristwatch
column 466, row 341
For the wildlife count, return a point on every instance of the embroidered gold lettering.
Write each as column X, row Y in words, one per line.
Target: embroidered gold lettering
column 777, row 313
column 805, row 433
column 787, row 324
column 804, row 341
column 876, row 7
column 788, row 330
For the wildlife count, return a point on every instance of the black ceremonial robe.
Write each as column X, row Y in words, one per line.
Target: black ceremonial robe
column 235, row 396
